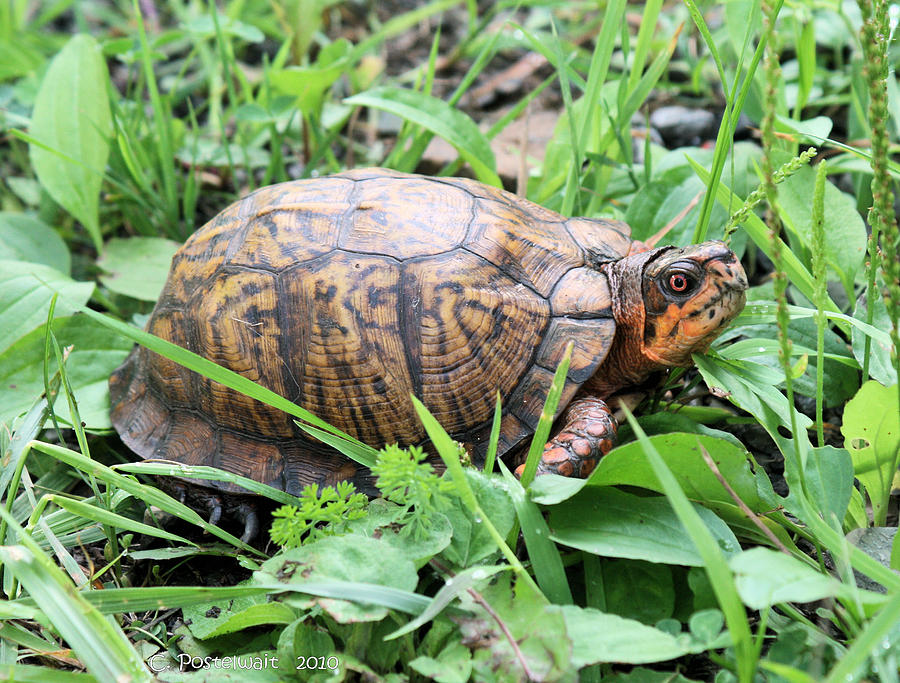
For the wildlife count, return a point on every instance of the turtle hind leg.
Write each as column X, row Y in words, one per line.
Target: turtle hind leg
column 589, row 434
column 248, row 514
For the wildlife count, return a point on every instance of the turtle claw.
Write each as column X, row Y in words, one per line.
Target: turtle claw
column 215, row 510
column 247, row 512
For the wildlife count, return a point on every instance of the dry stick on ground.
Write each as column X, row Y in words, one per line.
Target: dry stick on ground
column 477, row 597
column 740, row 503
column 652, row 242
column 512, row 641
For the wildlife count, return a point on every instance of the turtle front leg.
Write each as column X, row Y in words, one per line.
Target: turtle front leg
column 589, row 434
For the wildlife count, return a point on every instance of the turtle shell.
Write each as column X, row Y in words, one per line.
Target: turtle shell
column 349, row 293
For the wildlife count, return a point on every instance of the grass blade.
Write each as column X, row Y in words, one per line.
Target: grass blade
column 163, row 468
column 92, row 512
column 148, row 494
column 440, row 118
column 29, row 673
column 447, row 593
column 97, row 640
column 448, row 450
column 548, row 415
column 543, row 553
column 226, row 377
column 494, row 440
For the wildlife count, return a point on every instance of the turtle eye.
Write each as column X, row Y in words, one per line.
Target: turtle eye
column 679, row 282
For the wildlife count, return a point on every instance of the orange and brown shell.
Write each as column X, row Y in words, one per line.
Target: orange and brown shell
column 346, row 294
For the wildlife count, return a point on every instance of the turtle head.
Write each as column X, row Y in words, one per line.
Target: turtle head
column 670, row 303
column 689, row 296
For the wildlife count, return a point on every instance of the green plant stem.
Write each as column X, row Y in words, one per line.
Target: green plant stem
column 773, row 76
column 166, row 153
column 884, row 240
column 819, row 273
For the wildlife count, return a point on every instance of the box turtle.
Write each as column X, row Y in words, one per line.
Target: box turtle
column 347, row 294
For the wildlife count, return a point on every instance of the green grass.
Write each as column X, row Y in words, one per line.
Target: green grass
column 652, row 559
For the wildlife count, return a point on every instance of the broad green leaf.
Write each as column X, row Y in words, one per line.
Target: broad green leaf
column 761, row 345
column 737, row 14
column 307, row 84
column 137, row 266
column 681, row 452
column 871, row 429
column 472, row 540
column 537, row 627
column 342, row 558
column 638, row 590
column 94, row 355
column 881, row 366
column 441, row 119
column 766, row 577
column 73, row 124
column 829, row 480
column 812, row 131
column 27, row 238
column 612, row 523
column 845, row 231
column 203, row 26
column 599, row 637
column 751, row 386
column 211, row 619
column 303, row 638
column 420, row 547
column 452, row 665
column 25, row 293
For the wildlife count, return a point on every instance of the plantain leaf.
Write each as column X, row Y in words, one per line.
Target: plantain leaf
column 72, row 124
column 27, row 238
column 25, row 293
column 137, row 266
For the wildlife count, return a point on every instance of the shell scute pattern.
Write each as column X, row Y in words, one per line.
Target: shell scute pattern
column 346, row 295
column 435, row 218
column 191, row 440
column 466, row 329
column 166, row 375
column 601, row 240
column 534, row 252
column 261, row 461
column 238, row 326
column 590, row 338
column 346, row 350
column 582, row 293
column 200, row 256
